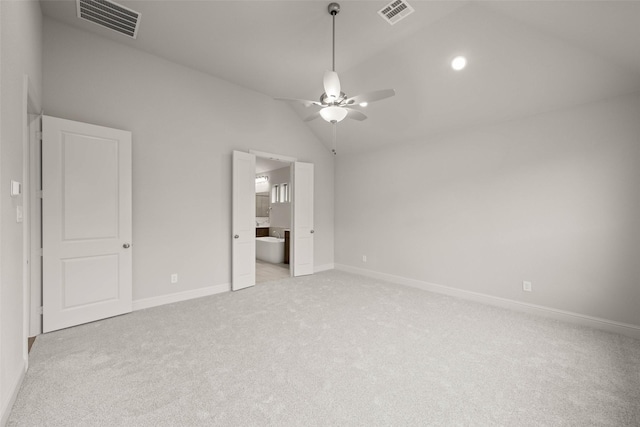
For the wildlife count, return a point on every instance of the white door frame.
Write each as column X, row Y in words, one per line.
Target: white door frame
column 31, row 106
column 272, row 156
column 35, row 216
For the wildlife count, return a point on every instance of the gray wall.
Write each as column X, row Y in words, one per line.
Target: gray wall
column 185, row 125
column 21, row 51
column 552, row 199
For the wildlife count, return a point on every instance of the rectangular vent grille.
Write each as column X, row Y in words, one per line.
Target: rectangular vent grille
column 395, row 11
column 110, row 15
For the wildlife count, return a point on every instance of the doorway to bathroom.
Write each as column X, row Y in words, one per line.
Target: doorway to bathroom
column 273, row 219
column 300, row 195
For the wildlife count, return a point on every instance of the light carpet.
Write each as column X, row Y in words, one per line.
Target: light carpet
column 330, row 349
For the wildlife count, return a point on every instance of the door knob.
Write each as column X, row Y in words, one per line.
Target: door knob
column 126, row 246
column 236, row 236
column 312, row 232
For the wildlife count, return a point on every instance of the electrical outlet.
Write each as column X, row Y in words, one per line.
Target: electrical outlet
column 364, row 258
column 174, row 278
column 526, row 286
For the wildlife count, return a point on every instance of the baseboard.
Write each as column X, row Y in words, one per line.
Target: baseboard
column 6, row 409
column 141, row 304
column 568, row 316
column 323, row 267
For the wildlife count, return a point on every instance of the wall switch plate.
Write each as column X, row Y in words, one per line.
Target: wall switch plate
column 16, row 188
column 364, row 258
column 174, row 278
column 526, row 286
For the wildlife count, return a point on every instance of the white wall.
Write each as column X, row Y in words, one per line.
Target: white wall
column 552, row 199
column 185, row 125
column 21, row 51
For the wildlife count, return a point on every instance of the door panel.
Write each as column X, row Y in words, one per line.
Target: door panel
column 303, row 231
column 104, row 280
column 243, row 268
column 86, row 217
column 90, row 168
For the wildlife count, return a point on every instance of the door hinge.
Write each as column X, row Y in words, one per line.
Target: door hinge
column 39, row 193
column 39, row 135
column 40, row 251
column 40, row 311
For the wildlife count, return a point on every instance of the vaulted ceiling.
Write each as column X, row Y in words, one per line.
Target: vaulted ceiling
column 524, row 57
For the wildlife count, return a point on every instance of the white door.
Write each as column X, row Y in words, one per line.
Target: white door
column 302, row 219
column 86, row 220
column 243, row 252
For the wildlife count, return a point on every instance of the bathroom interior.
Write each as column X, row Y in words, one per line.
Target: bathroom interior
column 273, row 219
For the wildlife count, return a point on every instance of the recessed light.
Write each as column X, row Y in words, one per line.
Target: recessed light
column 458, row 63
column 364, row 104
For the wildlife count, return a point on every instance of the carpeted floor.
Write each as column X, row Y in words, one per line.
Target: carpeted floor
column 330, row 349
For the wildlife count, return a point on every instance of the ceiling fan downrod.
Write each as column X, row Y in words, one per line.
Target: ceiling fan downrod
column 334, row 9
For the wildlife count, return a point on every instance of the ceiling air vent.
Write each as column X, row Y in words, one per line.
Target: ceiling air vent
column 395, row 11
column 110, row 15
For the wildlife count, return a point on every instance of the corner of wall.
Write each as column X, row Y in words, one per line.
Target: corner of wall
column 14, row 388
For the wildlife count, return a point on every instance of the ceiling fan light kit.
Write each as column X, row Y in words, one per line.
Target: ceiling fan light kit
column 334, row 104
column 333, row 114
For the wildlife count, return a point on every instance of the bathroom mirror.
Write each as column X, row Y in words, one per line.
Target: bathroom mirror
column 262, row 204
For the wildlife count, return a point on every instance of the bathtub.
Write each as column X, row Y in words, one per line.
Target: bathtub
column 270, row 249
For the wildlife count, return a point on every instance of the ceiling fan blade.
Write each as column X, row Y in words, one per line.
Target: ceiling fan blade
column 312, row 117
column 305, row 102
column 371, row 96
column 331, row 85
column 355, row 114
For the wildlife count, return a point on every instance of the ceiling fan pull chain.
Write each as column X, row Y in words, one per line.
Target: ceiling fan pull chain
column 334, row 138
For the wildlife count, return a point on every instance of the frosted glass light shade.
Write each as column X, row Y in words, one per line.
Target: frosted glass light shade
column 333, row 113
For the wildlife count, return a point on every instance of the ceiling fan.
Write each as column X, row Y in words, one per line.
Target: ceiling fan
column 334, row 105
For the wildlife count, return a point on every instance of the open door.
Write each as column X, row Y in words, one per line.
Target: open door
column 303, row 219
column 86, row 220
column 243, row 241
